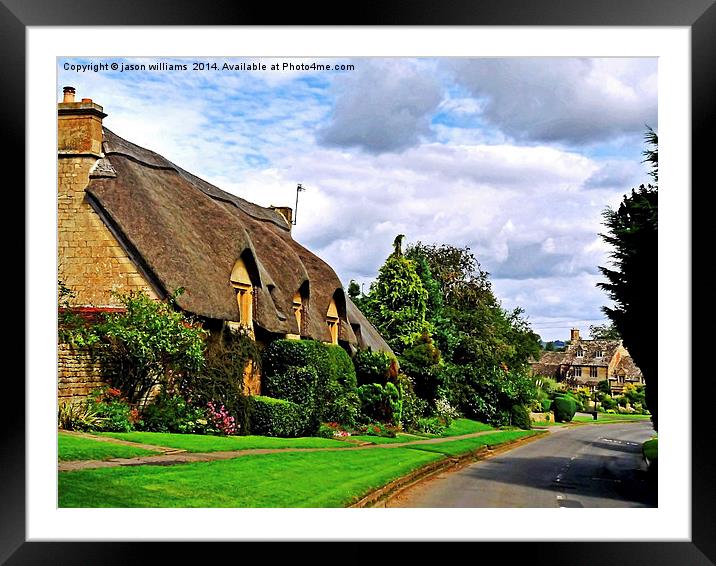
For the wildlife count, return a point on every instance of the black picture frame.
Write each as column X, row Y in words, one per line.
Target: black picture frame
column 698, row 15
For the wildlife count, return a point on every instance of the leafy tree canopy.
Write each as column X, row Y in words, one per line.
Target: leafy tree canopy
column 631, row 282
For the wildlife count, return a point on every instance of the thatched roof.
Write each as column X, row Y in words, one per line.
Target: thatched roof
column 185, row 232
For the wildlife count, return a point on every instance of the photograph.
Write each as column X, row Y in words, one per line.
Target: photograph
column 357, row 282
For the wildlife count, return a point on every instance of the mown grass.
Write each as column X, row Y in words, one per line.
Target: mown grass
column 465, row 426
column 292, row 479
column 207, row 443
column 609, row 417
column 70, row 447
column 466, row 445
column 651, row 449
column 387, row 440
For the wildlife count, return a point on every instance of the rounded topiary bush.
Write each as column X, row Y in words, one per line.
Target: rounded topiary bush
column 546, row 405
column 277, row 417
column 521, row 417
column 564, row 408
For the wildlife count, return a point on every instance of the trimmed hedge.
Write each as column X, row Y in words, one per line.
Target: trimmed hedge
column 276, row 417
column 564, row 408
column 521, row 417
column 334, row 397
column 295, row 384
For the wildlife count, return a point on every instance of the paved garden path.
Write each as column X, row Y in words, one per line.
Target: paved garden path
column 171, row 456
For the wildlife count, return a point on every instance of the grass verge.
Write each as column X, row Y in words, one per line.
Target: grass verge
column 207, row 443
column 70, row 447
column 467, row 445
column 609, row 418
column 293, row 479
column 651, row 450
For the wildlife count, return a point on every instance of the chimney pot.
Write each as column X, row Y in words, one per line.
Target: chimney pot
column 68, row 93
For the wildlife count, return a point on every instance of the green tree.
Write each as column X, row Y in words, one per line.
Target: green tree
column 604, row 332
column 632, row 283
column 397, row 301
column 143, row 346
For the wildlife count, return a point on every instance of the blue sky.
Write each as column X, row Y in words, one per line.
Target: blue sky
column 515, row 158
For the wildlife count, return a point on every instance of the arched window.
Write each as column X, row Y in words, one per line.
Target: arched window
column 333, row 321
column 241, row 282
column 300, row 307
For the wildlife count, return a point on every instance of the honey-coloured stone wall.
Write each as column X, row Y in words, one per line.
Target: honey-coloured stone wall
column 90, row 260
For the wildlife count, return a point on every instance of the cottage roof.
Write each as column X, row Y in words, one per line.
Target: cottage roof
column 548, row 364
column 185, row 232
column 590, row 350
column 627, row 367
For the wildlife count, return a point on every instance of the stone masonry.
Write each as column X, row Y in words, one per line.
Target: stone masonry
column 78, row 373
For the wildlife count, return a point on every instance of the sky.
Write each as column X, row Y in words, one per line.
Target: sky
column 515, row 158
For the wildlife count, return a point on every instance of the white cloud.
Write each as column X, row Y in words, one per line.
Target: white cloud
column 575, row 101
column 384, row 106
column 530, row 211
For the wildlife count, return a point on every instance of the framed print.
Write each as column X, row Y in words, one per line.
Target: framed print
column 414, row 104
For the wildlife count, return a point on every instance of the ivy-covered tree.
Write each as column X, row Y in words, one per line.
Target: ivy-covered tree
column 632, row 282
column 397, row 301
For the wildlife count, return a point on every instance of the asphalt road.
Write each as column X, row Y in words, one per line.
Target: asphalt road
column 580, row 466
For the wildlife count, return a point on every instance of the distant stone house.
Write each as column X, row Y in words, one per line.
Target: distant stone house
column 585, row 363
column 129, row 219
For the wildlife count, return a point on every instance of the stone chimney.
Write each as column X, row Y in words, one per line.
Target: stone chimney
column 286, row 212
column 79, row 126
column 574, row 335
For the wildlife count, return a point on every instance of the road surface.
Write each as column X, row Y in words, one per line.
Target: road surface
column 581, row 466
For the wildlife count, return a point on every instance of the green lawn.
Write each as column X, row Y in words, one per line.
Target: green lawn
column 465, row 445
column 651, row 449
column 546, row 423
column 400, row 437
column 292, row 479
column 207, row 443
column 608, row 417
column 465, row 426
column 71, row 447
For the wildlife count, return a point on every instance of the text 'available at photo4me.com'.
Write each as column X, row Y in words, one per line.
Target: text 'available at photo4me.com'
column 99, row 66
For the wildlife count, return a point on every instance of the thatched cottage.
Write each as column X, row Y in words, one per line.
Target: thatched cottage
column 129, row 219
column 585, row 363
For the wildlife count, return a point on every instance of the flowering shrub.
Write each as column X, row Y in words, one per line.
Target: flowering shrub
column 114, row 412
column 431, row 425
column 380, row 429
column 221, row 419
column 332, row 430
column 445, row 412
column 172, row 413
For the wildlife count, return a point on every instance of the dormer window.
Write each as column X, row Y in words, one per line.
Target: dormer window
column 579, row 353
column 241, row 282
column 599, row 354
column 298, row 311
column 333, row 321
